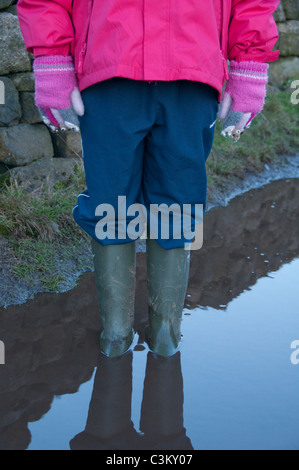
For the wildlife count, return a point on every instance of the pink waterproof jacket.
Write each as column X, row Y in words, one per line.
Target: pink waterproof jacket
column 151, row 39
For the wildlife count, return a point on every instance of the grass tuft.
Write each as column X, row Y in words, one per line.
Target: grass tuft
column 42, row 231
column 273, row 133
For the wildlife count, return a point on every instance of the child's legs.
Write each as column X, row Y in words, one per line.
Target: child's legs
column 146, row 142
column 118, row 115
column 177, row 148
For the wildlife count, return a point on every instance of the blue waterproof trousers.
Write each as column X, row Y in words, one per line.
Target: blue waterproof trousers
column 144, row 143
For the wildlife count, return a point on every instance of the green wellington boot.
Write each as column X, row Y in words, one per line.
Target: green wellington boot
column 115, row 271
column 168, row 274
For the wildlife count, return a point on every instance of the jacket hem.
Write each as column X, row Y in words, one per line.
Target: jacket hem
column 125, row 71
column 48, row 51
column 262, row 57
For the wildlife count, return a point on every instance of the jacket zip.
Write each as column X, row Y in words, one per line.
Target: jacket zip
column 222, row 41
column 84, row 47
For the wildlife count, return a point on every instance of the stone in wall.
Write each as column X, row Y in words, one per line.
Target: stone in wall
column 288, row 40
column 279, row 14
column 12, row 9
column 291, row 9
column 67, row 144
column 5, row 3
column 47, row 171
column 10, row 111
column 287, row 68
column 30, row 113
column 22, row 144
column 23, row 81
column 14, row 57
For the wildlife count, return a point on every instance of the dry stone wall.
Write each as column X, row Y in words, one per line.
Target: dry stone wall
column 27, row 148
column 287, row 68
column 25, row 140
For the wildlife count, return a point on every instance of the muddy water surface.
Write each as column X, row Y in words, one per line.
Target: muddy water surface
column 234, row 383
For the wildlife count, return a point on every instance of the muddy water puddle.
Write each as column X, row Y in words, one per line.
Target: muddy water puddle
column 234, row 383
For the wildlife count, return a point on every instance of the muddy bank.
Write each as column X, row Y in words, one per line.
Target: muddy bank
column 15, row 290
column 288, row 169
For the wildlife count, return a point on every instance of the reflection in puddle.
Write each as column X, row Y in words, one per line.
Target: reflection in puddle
column 241, row 389
column 231, row 386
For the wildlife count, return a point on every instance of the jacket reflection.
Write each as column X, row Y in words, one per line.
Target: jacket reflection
column 109, row 425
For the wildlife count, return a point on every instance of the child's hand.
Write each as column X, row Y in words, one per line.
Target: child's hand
column 56, row 90
column 244, row 97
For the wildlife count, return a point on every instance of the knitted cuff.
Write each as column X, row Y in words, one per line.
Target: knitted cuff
column 53, row 63
column 249, row 71
column 247, row 86
column 55, row 79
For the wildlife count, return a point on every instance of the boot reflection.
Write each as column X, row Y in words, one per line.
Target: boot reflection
column 162, row 421
column 109, row 425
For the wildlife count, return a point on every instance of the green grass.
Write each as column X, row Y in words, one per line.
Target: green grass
column 40, row 225
column 272, row 134
column 38, row 256
column 45, row 215
column 47, row 262
column 41, row 229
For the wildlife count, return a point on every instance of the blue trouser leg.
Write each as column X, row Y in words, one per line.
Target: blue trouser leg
column 177, row 148
column 113, row 131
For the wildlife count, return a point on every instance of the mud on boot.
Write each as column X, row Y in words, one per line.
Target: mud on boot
column 168, row 274
column 115, row 272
